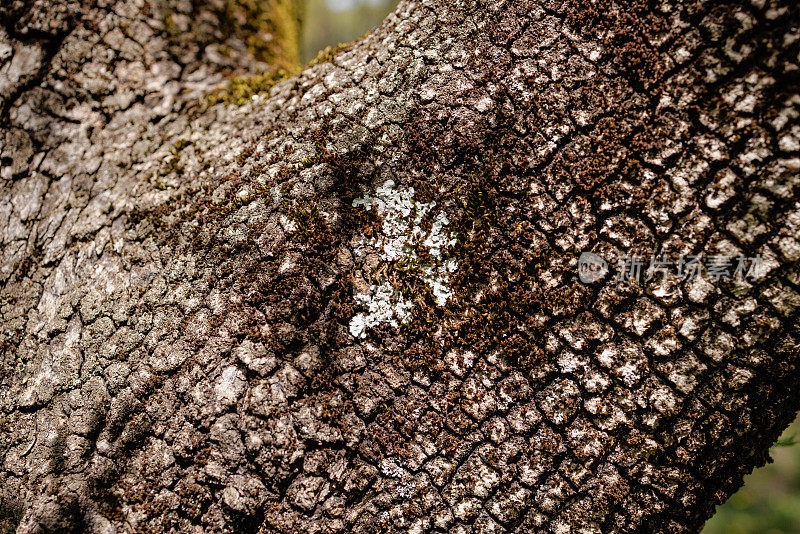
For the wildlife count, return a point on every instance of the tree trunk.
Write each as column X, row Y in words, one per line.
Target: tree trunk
column 350, row 301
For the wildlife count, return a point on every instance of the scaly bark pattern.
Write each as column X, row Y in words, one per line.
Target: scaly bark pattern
column 187, row 338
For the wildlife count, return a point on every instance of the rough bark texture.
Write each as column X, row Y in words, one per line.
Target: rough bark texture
column 187, row 339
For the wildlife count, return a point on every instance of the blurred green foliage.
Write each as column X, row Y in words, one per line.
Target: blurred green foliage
column 769, row 501
column 330, row 22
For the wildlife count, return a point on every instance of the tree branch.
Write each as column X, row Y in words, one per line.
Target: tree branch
column 354, row 305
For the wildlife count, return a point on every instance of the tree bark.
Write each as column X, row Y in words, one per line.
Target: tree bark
column 352, row 303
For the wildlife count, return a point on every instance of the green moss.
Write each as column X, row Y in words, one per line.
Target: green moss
column 281, row 19
column 270, row 28
column 240, row 90
column 169, row 24
column 500, row 303
column 311, row 226
column 327, row 53
column 109, row 504
column 287, row 16
column 179, row 145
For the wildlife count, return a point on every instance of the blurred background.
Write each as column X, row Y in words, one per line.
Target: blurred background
column 330, row 22
column 769, row 502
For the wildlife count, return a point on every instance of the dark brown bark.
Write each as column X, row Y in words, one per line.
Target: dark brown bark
column 187, row 339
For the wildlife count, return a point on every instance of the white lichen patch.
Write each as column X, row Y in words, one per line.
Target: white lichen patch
column 403, row 232
column 406, row 490
column 629, row 374
column 382, row 305
column 390, row 469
